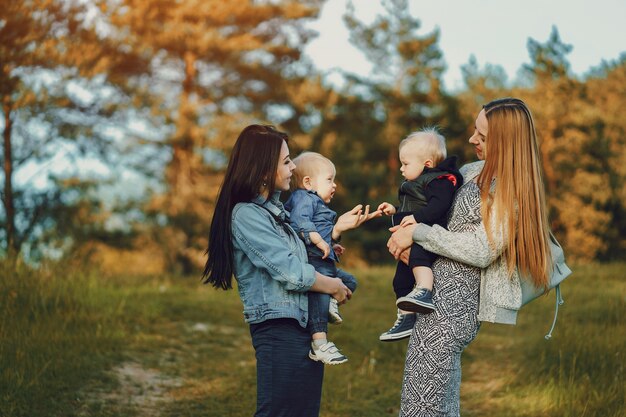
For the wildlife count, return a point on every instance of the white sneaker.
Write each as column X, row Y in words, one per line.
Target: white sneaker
column 333, row 312
column 327, row 353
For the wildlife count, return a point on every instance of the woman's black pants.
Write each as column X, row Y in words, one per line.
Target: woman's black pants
column 289, row 384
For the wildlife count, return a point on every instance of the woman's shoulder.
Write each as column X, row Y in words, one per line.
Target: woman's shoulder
column 248, row 211
column 471, row 170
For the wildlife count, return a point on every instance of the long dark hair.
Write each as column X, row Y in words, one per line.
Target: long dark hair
column 252, row 165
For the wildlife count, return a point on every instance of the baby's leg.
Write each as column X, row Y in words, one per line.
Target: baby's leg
column 420, row 261
column 403, row 283
column 419, row 300
column 318, row 315
column 348, row 279
column 403, row 280
column 321, row 349
column 423, row 277
column 329, row 268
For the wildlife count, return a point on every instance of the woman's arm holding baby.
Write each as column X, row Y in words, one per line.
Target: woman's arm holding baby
column 472, row 248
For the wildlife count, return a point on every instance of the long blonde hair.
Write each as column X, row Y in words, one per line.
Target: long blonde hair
column 518, row 201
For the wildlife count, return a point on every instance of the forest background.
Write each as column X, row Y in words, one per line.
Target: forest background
column 118, row 118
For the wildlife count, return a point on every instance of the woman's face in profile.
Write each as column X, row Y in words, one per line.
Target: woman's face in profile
column 285, row 169
column 479, row 138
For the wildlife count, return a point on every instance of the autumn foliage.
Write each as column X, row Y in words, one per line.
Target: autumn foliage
column 156, row 91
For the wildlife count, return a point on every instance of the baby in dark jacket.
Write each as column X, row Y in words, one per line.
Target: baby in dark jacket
column 425, row 196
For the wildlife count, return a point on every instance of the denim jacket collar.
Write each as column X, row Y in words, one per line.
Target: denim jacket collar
column 312, row 192
column 272, row 204
column 315, row 194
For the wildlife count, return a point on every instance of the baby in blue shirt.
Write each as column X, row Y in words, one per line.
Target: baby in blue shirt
column 313, row 185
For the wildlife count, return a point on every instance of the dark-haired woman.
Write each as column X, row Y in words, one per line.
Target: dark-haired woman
column 250, row 238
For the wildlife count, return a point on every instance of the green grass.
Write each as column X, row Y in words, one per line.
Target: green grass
column 86, row 344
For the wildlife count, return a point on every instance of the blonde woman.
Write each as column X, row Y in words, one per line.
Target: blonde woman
column 497, row 231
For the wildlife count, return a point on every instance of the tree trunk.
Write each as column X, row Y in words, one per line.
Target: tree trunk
column 180, row 175
column 9, row 207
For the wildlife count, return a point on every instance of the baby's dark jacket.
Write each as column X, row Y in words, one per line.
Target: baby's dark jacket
column 429, row 197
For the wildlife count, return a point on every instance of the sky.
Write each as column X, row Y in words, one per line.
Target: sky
column 494, row 31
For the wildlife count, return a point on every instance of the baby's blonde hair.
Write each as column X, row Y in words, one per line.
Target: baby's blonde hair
column 308, row 164
column 432, row 143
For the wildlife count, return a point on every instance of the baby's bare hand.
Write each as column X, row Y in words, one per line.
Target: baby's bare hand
column 339, row 250
column 386, row 208
column 323, row 246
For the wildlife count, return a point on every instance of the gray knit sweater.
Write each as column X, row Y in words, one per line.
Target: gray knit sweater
column 500, row 294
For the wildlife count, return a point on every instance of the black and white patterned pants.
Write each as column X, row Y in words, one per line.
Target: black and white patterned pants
column 432, row 373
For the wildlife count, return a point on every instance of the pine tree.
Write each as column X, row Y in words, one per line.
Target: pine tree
column 50, row 55
column 406, row 79
column 371, row 114
column 215, row 67
column 605, row 96
column 581, row 142
column 574, row 150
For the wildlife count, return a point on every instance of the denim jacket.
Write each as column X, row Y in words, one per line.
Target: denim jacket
column 270, row 262
column 308, row 213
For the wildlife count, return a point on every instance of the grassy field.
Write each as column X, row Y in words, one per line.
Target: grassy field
column 78, row 344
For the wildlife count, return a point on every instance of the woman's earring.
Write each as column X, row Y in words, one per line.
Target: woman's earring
column 264, row 184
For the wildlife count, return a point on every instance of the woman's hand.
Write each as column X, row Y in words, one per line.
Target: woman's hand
column 353, row 219
column 407, row 220
column 331, row 286
column 404, row 256
column 342, row 294
column 401, row 239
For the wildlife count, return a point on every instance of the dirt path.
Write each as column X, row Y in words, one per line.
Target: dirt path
column 158, row 374
column 138, row 390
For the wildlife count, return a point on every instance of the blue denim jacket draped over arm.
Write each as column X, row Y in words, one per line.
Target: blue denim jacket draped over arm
column 270, row 262
column 308, row 213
